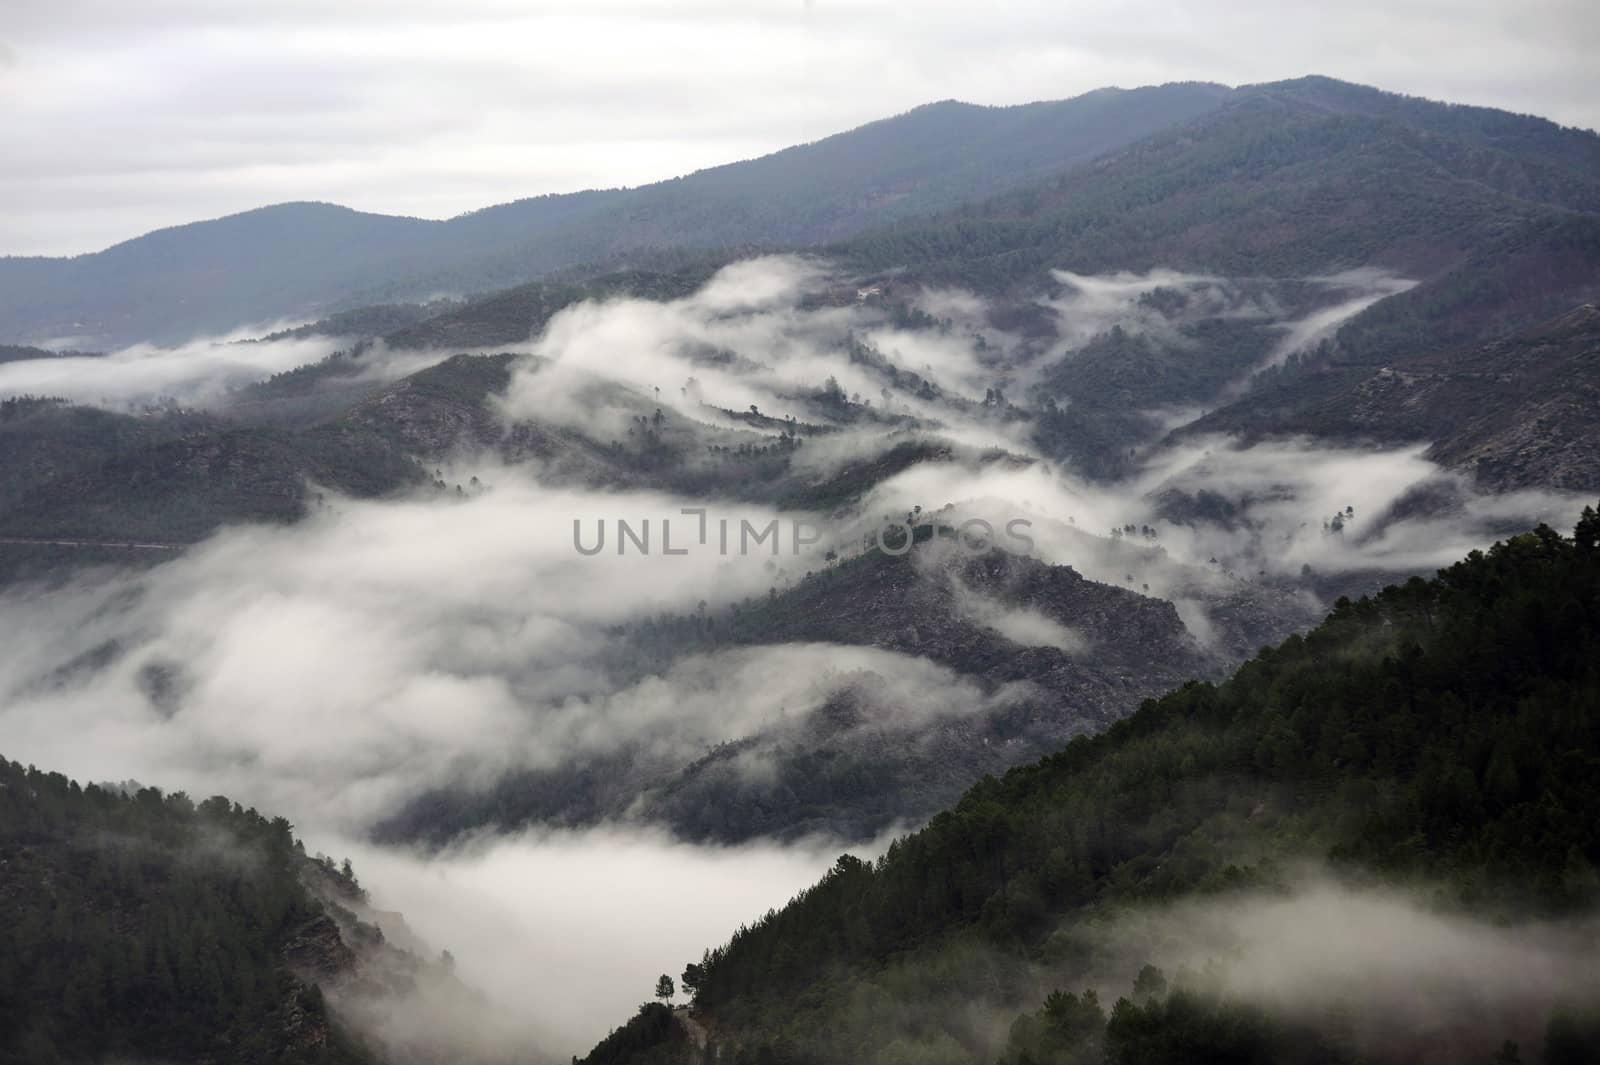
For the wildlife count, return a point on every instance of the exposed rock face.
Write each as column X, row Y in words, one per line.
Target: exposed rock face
column 388, row 985
column 1517, row 413
column 1525, row 411
column 318, row 951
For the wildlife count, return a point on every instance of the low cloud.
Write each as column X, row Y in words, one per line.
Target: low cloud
column 1388, row 960
column 1271, row 512
column 1358, row 289
column 749, row 340
column 379, row 649
column 1089, row 305
column 209, row 373
column 1206, row 514
column 569, row 930
column 336, row 669
column 200, row 373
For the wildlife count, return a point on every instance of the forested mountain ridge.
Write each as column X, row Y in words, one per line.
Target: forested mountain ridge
column 1496, row 217
column 305, row 259
column 1280, row 189
column 1285, row 179
column 301, row 260
column 42, row 439
column 180, row 489
column 1442, row 734
column 143, row 926
column 1489, row 127
column 1275, row 181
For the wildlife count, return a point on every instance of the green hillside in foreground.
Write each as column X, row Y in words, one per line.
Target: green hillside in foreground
column 1441, row 738
column 137, row 926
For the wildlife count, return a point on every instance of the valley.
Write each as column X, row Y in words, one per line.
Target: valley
column 1293, row 388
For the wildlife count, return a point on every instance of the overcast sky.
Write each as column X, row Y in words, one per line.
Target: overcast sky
column 120, row 116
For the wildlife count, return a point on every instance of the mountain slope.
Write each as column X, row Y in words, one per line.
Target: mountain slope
column 1289, row 180
column 1269, row 183
column 298, row 260
column 1503, row 295
column 1525, row 135
column 1516, row 413
column 1282, row 198
column 1442, row 734
column 200, row 278
column 1496, row 216
column 1534, row 403
column 178, row 491
column 142, row 926
column 41, row 439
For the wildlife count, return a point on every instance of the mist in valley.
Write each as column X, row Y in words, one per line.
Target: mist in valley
column 337, row 669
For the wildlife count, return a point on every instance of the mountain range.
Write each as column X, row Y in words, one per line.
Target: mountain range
column 303, row 260
column 1396, row 162
column 294, row 501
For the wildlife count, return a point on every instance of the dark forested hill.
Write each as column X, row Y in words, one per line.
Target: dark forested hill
column 301, row 260
column 80, row 473
column 41, row 439
column 1280, row 182
column 137, row 926
column 179, row 490
column 1485, row 126
column 1441, row 735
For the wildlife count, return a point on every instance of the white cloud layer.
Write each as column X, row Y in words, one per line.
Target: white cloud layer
column 1392, row 958
column 199, row 373
column 567, row 931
